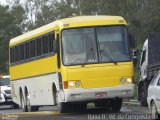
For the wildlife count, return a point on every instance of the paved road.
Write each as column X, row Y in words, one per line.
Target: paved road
column 50, row 113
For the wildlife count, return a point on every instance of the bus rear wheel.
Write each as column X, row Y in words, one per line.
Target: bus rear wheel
column 29, row 107
column 15, row 106
column 23, row 103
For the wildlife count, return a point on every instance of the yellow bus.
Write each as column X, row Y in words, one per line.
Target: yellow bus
column 71, row 62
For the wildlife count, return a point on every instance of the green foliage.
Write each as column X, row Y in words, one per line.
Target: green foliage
column 142, row 15
column 11, row 25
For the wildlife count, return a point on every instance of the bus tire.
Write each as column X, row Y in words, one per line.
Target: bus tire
column 15, row 106
column 34, row 108
column 28, row 105
column 61, row 106
column 116, row 104
column 23, row 103
column 78, row 107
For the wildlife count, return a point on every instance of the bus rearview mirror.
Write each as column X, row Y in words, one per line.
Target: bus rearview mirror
column 134, row 55
column 132, row 41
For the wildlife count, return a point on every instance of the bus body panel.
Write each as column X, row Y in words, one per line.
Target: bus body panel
column 90, row 94
column 34, row 68
column 40, row 89
column 100, row 75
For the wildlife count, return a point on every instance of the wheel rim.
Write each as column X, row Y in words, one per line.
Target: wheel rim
column 154, row 111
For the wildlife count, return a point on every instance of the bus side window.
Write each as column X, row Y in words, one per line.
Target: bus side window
column 43, row 44
column 12, row 55
column 51, row 38
column 38, row 46
column 22, row 52
column 27, row 55
column 17, row 55
column 32, row 47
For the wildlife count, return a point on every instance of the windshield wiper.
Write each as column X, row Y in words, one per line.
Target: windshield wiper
column 86, row 59
column 109, row 58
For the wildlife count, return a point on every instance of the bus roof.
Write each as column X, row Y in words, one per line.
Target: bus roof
column 79, row 21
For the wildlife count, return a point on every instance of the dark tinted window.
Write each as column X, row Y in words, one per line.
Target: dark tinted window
column 12, row 51
column 39, row 46
column 34, row 48
column 51, row 38
column 22, row 52
column 27, row 52
column 44, row 41
column 17, row 55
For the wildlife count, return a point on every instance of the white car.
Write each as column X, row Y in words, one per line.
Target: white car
column 153, row 98
column 5, row 92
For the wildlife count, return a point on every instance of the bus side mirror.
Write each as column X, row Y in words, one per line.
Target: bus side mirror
column 135, row 54
column 55, row 46
column 132, row 41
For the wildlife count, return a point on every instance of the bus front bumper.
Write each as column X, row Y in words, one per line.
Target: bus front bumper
column 93, row 94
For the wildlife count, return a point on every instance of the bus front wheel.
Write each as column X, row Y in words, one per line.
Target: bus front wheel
column 116, row 104
column 61, row 106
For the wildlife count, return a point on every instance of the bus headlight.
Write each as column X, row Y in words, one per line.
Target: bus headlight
column 74, row 84
column 125, row 80
column 77, row 84
column 129, row 80
column 71, row 84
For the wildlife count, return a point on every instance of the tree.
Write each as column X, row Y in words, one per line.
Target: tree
column 11, row 25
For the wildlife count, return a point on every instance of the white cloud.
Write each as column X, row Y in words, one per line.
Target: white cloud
column 3, row 2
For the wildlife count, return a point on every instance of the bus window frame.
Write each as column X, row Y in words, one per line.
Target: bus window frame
column 41, row 56
column 129, row 47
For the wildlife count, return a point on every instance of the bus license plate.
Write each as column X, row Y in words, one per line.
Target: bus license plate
column 101, row 95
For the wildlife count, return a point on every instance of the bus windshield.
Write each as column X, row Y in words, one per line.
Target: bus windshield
column 95, row 45
column 4, row 81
